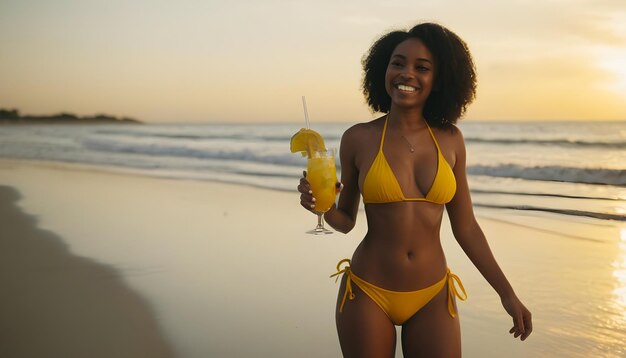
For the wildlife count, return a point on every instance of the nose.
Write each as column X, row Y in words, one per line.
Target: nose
column 407, row 73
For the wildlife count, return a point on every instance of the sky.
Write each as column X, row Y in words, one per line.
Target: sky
column 253, row 60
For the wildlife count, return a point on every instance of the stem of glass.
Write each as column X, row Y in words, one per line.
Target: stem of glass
column 320, row 223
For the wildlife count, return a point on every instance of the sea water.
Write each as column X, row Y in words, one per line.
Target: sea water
column 571, row 168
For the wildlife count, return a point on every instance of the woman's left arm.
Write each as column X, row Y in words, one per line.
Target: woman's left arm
column 472, row 240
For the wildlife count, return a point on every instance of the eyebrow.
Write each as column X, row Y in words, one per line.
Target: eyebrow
column 419, row 59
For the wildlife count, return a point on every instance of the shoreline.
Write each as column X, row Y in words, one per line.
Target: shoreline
column 221, row 264
column 478, row 206
column 56, row 304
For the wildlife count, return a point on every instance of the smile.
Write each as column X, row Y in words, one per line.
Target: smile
column 406, row 88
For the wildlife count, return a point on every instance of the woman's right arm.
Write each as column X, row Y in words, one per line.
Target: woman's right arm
column 342, row 216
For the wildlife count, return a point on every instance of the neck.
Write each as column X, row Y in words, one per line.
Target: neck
column 406, row 119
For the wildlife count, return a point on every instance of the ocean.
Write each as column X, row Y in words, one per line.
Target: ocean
column 568, row 168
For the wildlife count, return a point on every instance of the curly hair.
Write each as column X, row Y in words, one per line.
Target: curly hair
column 455, row 79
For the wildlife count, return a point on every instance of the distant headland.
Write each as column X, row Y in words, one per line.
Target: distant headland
column 12, row 116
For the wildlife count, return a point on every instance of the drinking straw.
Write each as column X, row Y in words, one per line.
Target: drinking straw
column 309, row 152
column 306, row 113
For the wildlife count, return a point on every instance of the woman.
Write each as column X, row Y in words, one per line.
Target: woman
column 408, row 165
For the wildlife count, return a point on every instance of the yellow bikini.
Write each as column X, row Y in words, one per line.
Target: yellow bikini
column 399, row 306
column 381, row 186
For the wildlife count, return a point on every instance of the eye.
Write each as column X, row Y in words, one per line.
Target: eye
column 422, row 68
column 396, row 64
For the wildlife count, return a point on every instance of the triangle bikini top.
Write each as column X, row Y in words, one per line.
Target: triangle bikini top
column 381, row 185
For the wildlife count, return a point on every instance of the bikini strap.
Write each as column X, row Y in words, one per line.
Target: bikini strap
column 382, row 137
column 432, row 135
column 348, row 291
column 454, row 280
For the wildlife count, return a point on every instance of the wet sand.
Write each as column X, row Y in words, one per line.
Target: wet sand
column 56, row 304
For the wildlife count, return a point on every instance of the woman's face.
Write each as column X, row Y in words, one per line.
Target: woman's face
column 410, row 74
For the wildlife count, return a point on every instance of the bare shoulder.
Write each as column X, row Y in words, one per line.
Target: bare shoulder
column 451, row 137
column 363, row 133
column 452, row 144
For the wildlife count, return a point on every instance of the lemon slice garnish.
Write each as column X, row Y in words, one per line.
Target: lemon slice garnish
column 307, row 141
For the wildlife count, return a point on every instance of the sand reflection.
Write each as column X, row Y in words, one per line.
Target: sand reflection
column 619, row 273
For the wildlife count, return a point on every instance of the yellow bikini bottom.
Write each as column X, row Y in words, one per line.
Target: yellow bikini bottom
column 399, row 306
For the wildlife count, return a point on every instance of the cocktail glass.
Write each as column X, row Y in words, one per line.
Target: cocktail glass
column 322, row 177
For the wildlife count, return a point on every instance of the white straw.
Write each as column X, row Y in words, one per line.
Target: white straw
column 306, row 113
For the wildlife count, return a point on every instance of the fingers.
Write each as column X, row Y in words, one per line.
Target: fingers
column 306, row 195
column 519, row 324
column 528, row 325
column 304, row 186
column 522, row 325
column 515, row 331
column 307, row 201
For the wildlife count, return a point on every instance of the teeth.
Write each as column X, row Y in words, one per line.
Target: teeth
column 406, row 88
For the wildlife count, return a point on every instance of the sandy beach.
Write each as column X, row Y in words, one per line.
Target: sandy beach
column 105, row 264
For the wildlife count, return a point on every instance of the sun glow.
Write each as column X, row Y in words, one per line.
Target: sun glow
column 619, row 272
column 613, row 60
column 613, row 56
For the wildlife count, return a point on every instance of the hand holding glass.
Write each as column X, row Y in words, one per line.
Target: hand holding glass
column 322, row 177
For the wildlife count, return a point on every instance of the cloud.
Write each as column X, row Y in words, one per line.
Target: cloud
column 605, row 28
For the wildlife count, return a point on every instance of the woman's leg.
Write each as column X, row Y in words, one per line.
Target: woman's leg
column 364, row 329
column 432, row 332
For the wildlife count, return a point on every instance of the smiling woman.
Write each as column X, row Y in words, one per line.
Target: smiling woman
column 436, row 55
column 422, row 79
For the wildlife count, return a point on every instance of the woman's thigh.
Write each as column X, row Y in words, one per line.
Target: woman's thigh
column 364, row 329
column 432, row 332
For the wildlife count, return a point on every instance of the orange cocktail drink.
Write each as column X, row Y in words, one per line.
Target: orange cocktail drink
column 321, row 172
column 322, row 176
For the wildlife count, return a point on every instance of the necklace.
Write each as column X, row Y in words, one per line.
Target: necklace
column 411, row 148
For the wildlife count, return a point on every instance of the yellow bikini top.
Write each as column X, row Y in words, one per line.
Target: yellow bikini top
column 381, row 185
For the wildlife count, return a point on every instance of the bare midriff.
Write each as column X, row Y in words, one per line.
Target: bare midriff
column 402, row 249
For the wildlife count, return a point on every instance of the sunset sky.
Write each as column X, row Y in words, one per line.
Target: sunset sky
column 251, row 61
